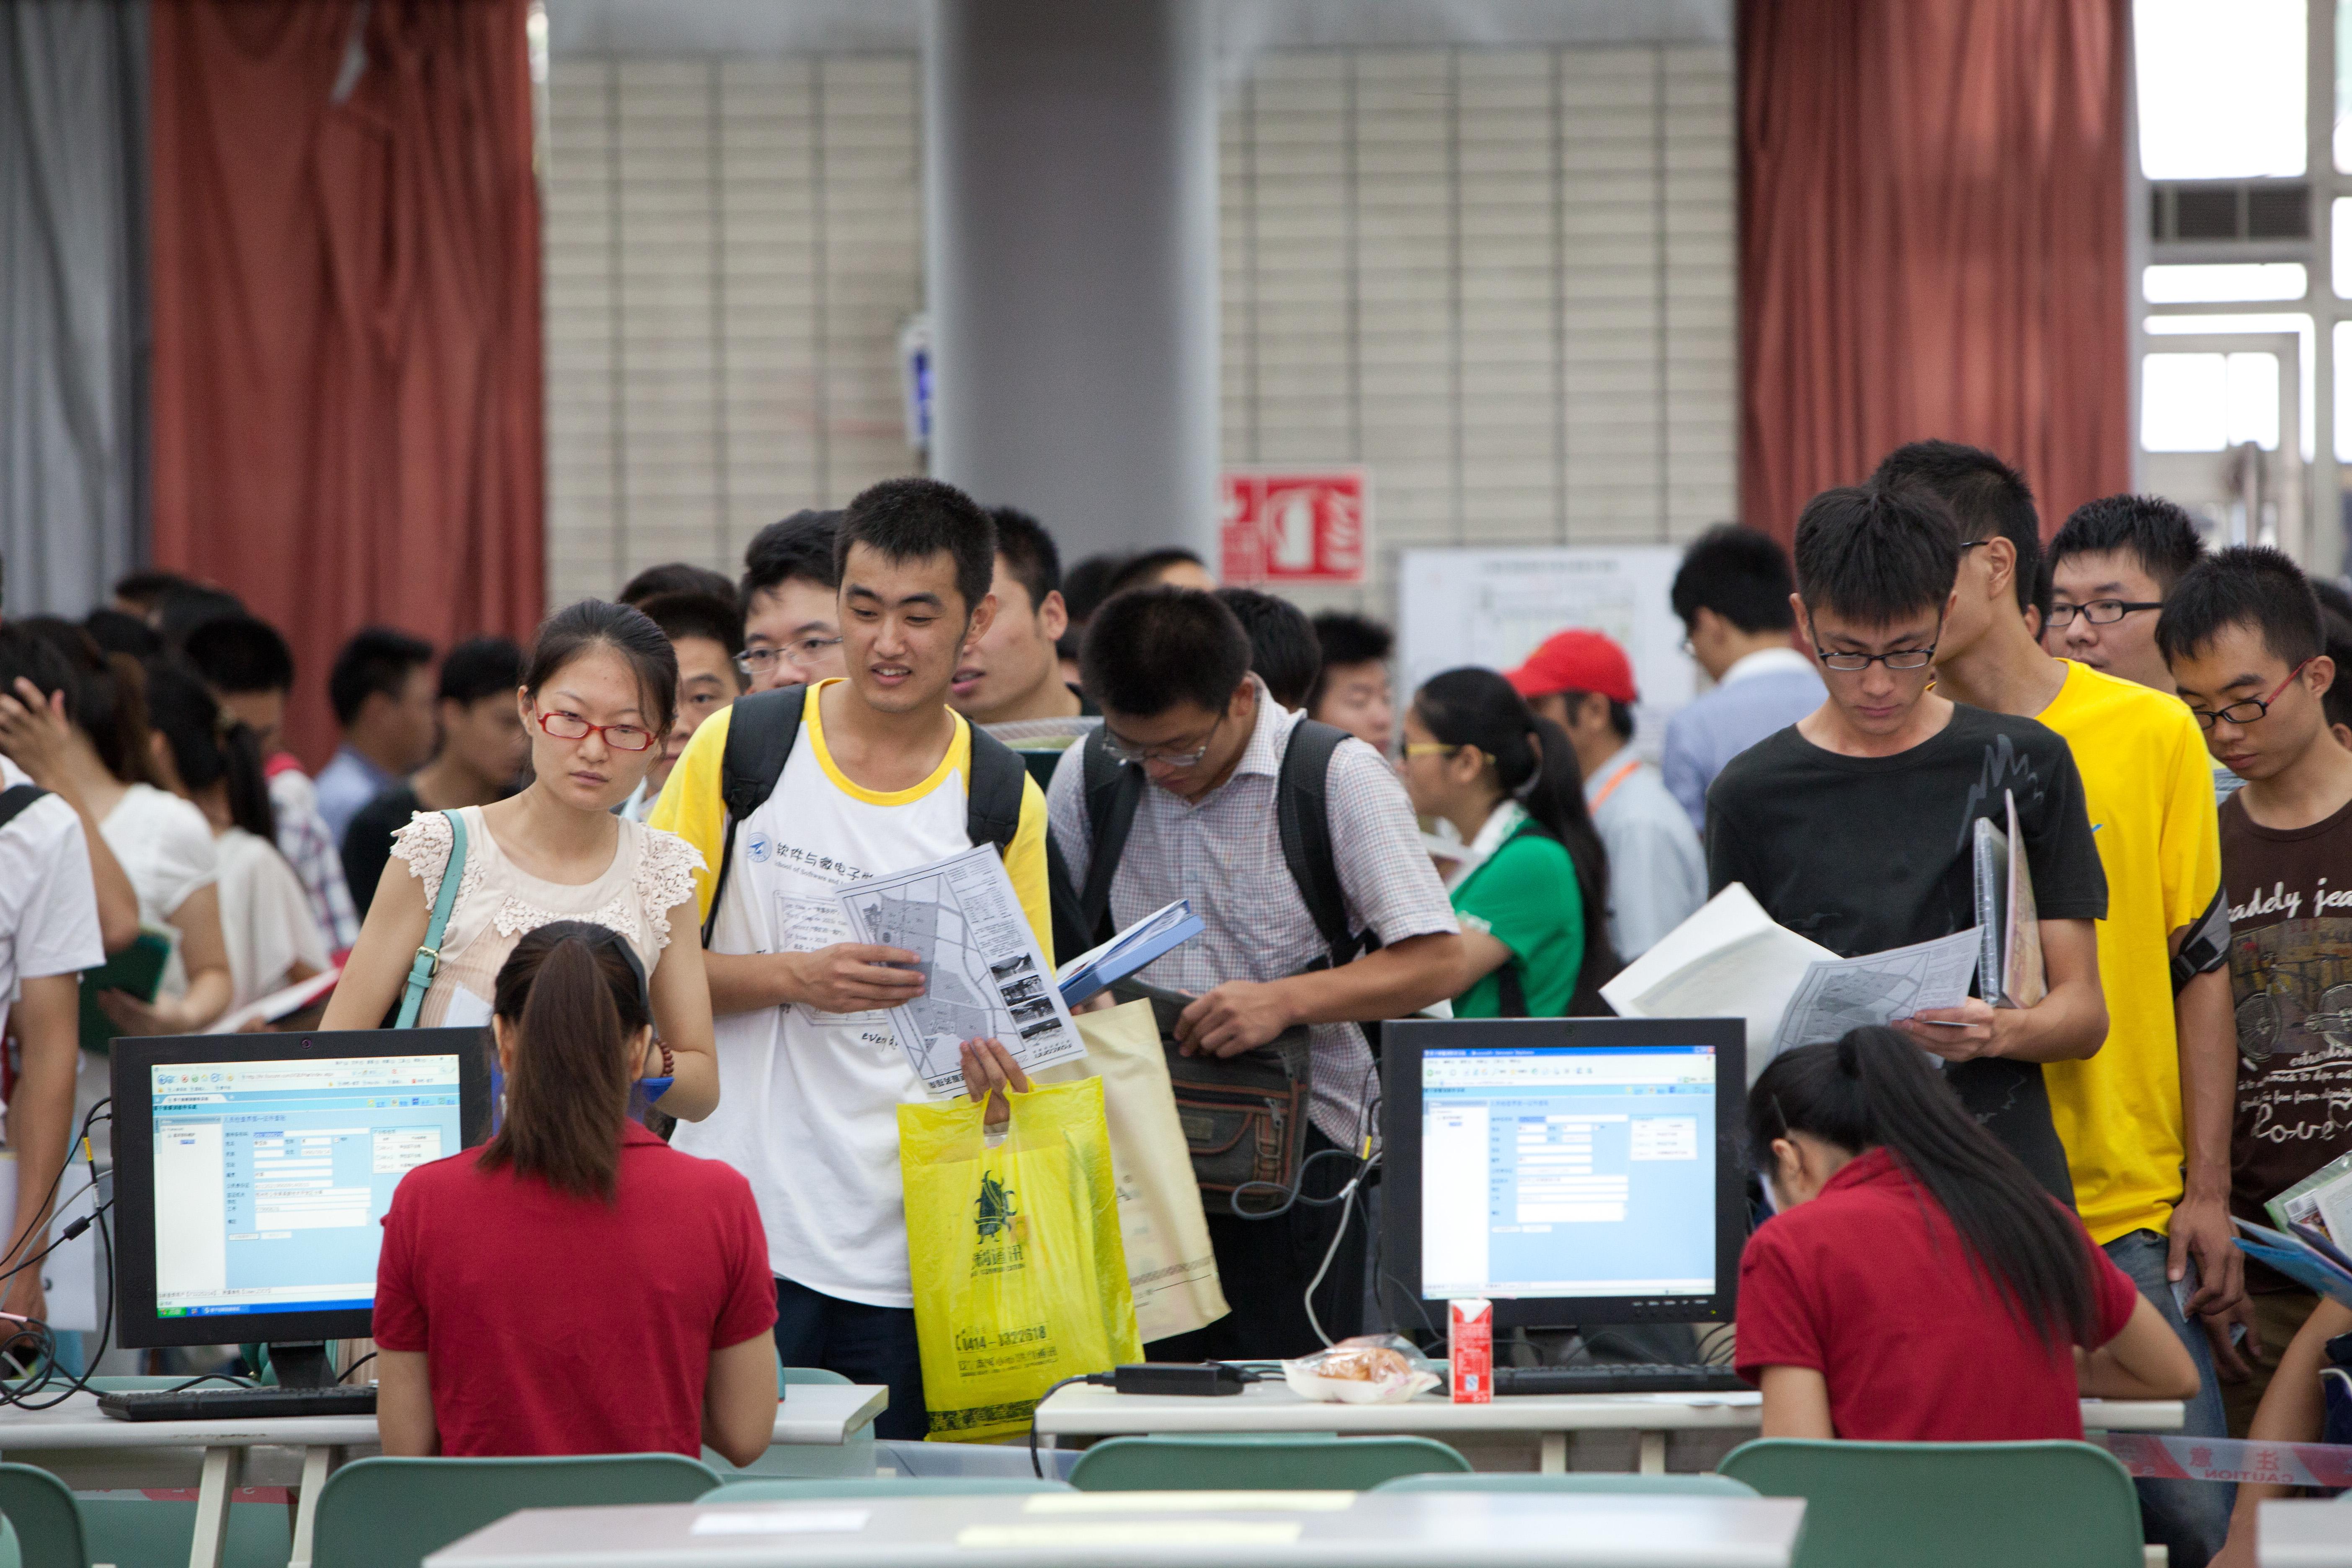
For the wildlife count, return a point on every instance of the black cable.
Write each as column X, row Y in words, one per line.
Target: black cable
column 1293, row 1193
column 229, row 1377
column 355, row 1367
column 44, row 1337
column 1099, row 1379
column 89, row 1118
column 73, row 1232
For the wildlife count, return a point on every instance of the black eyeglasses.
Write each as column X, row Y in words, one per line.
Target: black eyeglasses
column 1895, row 659
column 2249, row 710
column 2101, row 612
column 1126, row 750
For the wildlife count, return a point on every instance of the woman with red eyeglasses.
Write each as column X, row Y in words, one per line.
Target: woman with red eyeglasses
column 596, row 698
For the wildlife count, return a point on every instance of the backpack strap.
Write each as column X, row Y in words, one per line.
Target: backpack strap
column 1511, row 992
column 1113, row 789
column 760, row 730
column 993, row 793
column 14, row 799
column 1302, row 815
column 427, row 962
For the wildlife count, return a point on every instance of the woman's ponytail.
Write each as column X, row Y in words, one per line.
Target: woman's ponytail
column 1874, row 1088
column 572, row 1003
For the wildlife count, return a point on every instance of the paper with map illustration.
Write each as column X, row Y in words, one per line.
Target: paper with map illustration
column 1840, row 994
column 982, row 974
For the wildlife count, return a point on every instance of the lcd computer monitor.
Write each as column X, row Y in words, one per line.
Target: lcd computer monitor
column 252, row 1173
column 1571, row 1171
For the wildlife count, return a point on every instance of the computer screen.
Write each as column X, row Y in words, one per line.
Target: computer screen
column 253, row 1196
column 1571, row 1171
column 1561, row 1172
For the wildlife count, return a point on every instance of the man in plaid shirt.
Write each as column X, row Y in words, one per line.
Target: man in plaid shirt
column 1171, row 669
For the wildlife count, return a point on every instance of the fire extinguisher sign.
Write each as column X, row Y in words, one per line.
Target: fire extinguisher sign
column 1286, row 525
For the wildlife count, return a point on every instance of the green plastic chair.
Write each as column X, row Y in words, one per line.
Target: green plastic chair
column 1950, row 1505
column 392, row 1514
column 878, row 1487
column 1288, row 1461
column 1601, row 1481
column 44, row 1518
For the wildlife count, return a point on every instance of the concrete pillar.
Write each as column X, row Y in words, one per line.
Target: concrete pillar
column 1071, row 205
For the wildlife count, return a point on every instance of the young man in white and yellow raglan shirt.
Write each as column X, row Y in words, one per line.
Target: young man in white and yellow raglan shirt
column 876, row 782
column 2146, row 1123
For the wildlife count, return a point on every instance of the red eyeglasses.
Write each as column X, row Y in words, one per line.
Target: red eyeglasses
column 620, row 737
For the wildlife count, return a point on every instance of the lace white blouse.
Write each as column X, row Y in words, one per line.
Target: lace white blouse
column 498, row 902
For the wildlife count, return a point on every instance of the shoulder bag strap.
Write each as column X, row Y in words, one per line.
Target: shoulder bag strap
column 760, row 730
column 16, row 798
column 1303, row 818
column 1114, row 790
column 992, row 796
column 428, row 956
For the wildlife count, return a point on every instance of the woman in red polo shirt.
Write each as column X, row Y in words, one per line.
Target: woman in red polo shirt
column 1918, row 1284
column 574, row 1286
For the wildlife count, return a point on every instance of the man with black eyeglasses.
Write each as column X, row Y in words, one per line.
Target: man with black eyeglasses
column 2111, row 569
column 1172, row 670
column 1855, row 826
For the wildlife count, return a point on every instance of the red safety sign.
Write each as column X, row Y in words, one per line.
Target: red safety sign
column 1286, row 526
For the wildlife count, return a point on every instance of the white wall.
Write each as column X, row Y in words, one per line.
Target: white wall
column 1503, row 279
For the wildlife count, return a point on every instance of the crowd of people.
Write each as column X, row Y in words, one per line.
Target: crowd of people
column 920, row 675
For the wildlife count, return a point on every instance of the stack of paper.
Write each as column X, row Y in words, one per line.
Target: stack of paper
column 1731, row 960
column 2321, row 1201
column 2302, row 1254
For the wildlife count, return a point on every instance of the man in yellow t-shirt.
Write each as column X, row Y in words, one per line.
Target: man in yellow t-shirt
column 2150, row 1163
column 811, row 1075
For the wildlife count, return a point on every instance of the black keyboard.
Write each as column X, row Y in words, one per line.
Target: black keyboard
column 218, row 1403
column 1617, row 1377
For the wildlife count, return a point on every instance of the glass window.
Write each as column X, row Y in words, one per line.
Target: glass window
column 2237, row 281
column 2208, row 402
column 2221, row 88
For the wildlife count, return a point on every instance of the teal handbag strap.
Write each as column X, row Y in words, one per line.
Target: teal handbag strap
column 428, row 956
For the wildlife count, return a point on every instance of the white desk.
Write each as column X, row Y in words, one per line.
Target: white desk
column 1081, row 1411
column 1155, row 1530
column 93, row 1451
column 2305, row 1534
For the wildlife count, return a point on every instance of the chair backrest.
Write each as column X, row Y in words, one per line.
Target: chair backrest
column 878, row 1487
column 392, row 1513
column 41, row 1510
column 1573, row 1482
column 1951, row 1505
column 1286, row 1463
column 788, row 1375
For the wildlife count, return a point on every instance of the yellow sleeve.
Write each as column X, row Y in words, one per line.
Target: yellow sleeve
column 690, row 807
column 1025, row 864
column 2192, row 834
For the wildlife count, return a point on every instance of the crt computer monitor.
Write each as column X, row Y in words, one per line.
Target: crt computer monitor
column 1571, row 1171
column 252, row 1173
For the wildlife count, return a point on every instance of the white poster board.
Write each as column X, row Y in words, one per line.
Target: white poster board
column 1491, row 607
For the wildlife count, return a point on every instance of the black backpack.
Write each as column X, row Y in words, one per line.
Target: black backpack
column 760, row 730
column 1302, row 819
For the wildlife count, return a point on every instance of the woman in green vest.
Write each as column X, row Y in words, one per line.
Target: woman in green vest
column 1535, row 895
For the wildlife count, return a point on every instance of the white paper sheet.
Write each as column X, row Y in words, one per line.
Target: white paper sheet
column 1846, row 993
column 1728, row 959
column 983, row 973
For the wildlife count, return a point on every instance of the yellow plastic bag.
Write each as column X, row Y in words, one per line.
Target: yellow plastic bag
column 1020, row 1277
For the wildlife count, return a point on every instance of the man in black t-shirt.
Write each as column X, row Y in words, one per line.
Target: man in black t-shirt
column 1855, row 826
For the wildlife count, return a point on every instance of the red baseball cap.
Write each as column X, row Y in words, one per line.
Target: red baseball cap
column 1576, row 661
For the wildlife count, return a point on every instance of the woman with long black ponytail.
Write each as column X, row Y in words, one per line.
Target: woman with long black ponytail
column 1917, row 1283
column 1535, row 904
column 574, row 1285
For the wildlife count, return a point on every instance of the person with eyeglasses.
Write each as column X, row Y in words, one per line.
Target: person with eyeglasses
column 596, row 696
column 2111, row 566
column 791, row 626
column 2146, row 1123
column 1855, row 826
column 2244, row 637
column 1192, row 739
column 707, row 634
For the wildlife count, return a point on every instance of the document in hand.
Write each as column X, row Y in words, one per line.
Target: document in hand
column 983, row 975
column 2321, row 1201
column 2319, row 1267
column 1099, row 968
column 1731, row 960
column 278, row 1004
column 2007, row 921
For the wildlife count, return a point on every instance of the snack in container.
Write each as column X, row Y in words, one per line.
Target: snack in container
column 1372, row 1369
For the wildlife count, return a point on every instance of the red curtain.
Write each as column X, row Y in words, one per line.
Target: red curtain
column 346, row 277
column 1931, row 206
